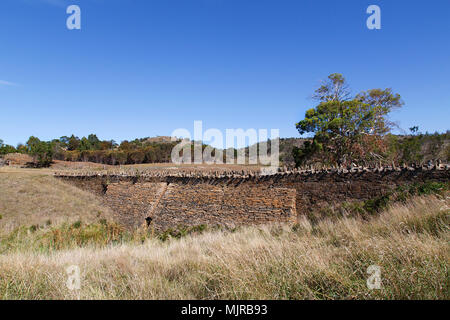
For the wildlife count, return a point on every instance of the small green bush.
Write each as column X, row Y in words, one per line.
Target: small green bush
column 400, row 194
column 76, row 224
column 181, row 231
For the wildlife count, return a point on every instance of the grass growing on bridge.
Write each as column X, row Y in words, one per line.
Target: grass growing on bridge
column 324, row 260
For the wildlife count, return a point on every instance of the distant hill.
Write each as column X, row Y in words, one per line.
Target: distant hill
column 286, row 146
column 159, row 139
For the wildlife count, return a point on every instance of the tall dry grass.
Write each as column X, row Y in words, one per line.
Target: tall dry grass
column 328, row 260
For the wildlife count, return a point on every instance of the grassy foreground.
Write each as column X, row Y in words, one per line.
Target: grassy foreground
column 327, row 260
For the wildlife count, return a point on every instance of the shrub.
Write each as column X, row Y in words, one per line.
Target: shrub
column 76, row 224
column 400, row 194
column 136, row 157
column 182, row 231
column 5, row 149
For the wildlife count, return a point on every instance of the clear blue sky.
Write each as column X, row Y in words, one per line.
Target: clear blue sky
column 146, row 67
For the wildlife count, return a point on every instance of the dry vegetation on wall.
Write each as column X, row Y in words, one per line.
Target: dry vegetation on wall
column 327, row 260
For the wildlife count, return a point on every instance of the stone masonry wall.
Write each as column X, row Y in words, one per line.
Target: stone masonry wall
column 232, row 199
column 207, row 204
column 133, row 202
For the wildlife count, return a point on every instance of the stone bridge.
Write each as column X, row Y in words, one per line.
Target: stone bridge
column 169, row 199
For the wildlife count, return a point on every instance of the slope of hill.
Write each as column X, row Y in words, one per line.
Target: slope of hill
column 36, row 198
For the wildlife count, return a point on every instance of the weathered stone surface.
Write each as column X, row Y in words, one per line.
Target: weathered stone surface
column 133, row 203
column 240, row 199
column 207, row 204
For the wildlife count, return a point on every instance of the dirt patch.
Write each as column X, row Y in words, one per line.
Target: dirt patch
column 17, row 159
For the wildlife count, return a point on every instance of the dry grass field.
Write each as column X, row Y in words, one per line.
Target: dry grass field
column 327, row 260
column 33, row 197
column 18, row 164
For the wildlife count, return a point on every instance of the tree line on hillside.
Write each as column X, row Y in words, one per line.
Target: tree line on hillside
column 413, row 148
column 93, row 149
column 345, row 129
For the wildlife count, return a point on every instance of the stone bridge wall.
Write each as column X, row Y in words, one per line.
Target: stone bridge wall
column 233, row 199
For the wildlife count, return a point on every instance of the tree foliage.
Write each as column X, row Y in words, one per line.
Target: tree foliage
column 41, row 151
column 346, row 129
column 93, row 149
column 5, row 149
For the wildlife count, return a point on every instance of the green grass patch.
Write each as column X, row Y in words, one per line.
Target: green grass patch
column 401, row 194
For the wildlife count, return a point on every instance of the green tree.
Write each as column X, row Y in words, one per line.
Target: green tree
column 107, row 145
column 136, row 156
column 346, row 129
column 120, row 157
column 21, row 148
column 64, row 140
column 94, row 141
column 41, row 151
column 125, row 145
column 84, row 145
column 5, row 148
column 73, row 143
